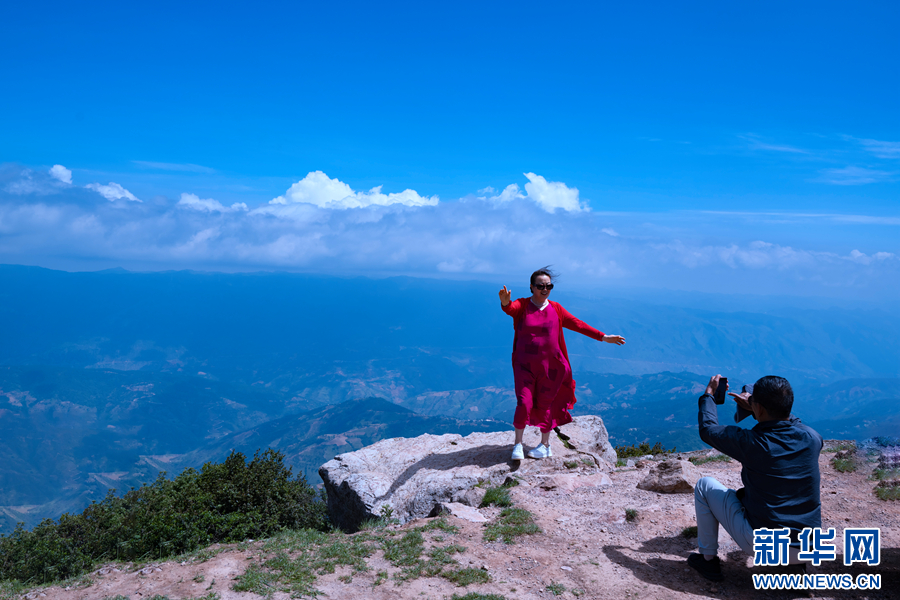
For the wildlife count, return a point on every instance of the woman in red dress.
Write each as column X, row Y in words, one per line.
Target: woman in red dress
column 545, row 390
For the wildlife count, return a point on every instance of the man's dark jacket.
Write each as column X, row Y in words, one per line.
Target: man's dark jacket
column 780, row 472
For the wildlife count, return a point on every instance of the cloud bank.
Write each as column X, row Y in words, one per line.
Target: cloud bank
column 322, row 225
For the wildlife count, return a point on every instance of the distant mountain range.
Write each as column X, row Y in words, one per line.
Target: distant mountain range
column 108, row 378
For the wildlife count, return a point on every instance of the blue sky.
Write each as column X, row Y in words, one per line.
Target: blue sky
column 654, row 144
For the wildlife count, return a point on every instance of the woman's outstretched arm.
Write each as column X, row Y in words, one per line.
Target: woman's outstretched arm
column 570, row 322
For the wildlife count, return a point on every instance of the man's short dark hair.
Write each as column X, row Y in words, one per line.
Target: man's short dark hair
column 775, row 395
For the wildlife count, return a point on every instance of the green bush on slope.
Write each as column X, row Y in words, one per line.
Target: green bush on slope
column 225, row 502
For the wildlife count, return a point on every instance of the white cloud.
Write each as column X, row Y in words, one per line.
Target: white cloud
column 549, row 195
column 855, row 176
column 317, row 189
column 113, row 191
column 610, row 231
column 194, row 202
column 864, row 259
column 61, row 173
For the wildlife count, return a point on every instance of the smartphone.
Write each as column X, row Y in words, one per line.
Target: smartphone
column 721, row 391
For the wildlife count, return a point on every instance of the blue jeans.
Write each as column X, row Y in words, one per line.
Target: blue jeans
column 716, row 504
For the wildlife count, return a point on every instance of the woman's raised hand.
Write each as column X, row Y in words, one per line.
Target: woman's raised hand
column 505, row 295
column 618, row 340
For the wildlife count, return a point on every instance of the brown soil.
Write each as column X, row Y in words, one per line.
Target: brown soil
column 587, row 547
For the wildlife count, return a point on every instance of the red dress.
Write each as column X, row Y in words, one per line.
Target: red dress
column 545, row 390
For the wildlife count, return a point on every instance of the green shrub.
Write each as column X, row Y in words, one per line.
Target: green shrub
column 642, row 450
column 631, row 514
column 689, row 532
column 224, row 502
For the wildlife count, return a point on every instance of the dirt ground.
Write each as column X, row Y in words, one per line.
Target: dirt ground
column 587, row 550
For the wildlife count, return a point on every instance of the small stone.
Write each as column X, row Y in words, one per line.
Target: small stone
column 564, row 568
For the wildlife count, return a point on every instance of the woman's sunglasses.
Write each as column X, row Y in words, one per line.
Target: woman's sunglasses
column 543, row 286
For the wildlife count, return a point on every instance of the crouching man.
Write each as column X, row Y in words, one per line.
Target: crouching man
column 780, row 472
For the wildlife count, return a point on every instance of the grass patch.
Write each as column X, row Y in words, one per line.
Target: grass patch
column 884, row 474
column 406, row 553
column 570, row 464
column 701, row 460
column 297, row 558
column 631, row 514
column 496, row 495
column 257, row 580
column 512, row 523
column 315, row 553
column 621, row 462
column 888, row 490
column 844, row 465
column 439, row 524
column 499, row 495
column 556, row 588
column 468, row 576
column 689, row 532
column 642, row 449
column 477, row 596
column 588, row 462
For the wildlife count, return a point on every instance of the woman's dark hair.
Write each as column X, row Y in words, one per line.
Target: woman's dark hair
column 545, row 271
column 775, row 395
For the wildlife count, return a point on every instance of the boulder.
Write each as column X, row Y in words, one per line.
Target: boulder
column 409, row 478
column 462, row 511
column 671, row 477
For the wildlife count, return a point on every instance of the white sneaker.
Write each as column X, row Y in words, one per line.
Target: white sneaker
column 518, row 452
column 541, row 451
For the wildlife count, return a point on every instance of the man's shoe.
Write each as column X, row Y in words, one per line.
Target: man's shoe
column 541, row 451
column 711, row 569
column 518, row 452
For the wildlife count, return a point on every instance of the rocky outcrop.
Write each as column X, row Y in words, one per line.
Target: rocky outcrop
column 410, row 478
column 671, row 477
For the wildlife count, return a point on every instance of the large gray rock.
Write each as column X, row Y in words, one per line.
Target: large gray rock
column 410, row 478
column 671, row 477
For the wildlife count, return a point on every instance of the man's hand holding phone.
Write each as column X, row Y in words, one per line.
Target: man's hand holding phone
column 717, row 387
